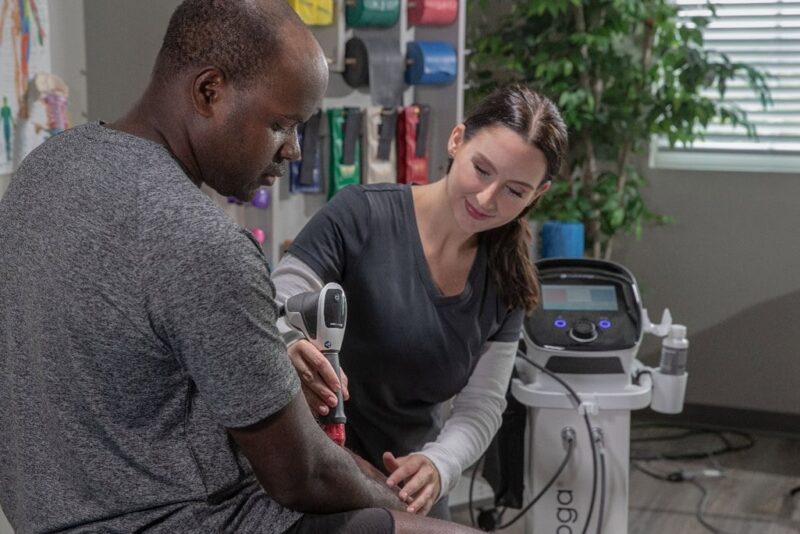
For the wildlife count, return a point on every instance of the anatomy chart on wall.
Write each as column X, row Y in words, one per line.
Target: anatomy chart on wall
column 31, row 100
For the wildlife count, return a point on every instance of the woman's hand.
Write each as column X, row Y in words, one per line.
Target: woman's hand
column 420, row 479
column 317, row 376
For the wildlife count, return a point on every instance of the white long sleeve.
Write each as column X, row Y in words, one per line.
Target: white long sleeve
column 476, row 415
column 291, row 277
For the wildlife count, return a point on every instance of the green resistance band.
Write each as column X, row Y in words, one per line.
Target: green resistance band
column 345, row 125
column 383, row 13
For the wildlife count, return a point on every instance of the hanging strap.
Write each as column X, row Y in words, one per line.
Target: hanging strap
column 310, row 147
column 422, row 130
column 386, row 133
column 352, row 131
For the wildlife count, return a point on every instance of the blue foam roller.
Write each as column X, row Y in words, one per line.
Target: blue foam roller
column 562, row 239
column 430, row 63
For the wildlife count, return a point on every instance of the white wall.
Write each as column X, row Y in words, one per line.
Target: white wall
column 5, row 528
column 122, row 40
column 68, row 53
column 728, row 268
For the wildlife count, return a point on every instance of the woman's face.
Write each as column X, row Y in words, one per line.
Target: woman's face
column 495, row 175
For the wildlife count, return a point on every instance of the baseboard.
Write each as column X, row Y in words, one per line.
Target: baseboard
column 719, row 416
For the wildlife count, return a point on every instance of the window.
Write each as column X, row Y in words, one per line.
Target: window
column 765, row 34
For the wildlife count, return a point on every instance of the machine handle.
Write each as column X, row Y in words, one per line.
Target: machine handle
column 336, row 415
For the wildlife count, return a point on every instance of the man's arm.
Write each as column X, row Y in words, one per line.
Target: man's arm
column 302, row 469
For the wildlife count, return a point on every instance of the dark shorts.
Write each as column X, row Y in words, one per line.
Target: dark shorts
column 366, row 521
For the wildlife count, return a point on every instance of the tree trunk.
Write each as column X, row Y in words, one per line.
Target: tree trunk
column 589, row 176
column 592, row 222
column 622, row 164
column 609, row 245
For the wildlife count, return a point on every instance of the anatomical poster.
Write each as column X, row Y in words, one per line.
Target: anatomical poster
column 24, row 53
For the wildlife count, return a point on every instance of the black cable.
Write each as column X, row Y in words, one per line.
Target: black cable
column 727, row 447
column 472, row 486
column 794, row 491
column 577, row 399
column 654, row 474
column 567, row 456
column 679, row 476
column 701, row 507
column 671, row 437
column 641, row 372
column 501, row 513
column 602, row 490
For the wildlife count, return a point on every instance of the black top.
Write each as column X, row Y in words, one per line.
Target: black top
column 407, row 348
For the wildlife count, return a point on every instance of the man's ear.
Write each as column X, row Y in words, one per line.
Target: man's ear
column 208, row 88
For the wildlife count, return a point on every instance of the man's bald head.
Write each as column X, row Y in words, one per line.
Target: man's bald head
column 243, row 38
column 233, row 80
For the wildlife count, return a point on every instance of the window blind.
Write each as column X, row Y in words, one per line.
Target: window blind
column 764, row 34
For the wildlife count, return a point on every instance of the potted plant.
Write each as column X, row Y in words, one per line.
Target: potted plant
column 621, row 71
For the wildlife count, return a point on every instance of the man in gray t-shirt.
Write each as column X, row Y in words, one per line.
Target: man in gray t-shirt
column 143, row 384
column 119, row 364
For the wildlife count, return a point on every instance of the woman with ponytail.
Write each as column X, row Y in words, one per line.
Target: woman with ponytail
column 438, row 280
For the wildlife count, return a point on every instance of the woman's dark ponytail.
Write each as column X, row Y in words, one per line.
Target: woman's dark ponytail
column 510, row 264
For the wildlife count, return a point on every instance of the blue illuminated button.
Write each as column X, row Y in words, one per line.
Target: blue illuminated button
column 605, row 323
column 560, row 323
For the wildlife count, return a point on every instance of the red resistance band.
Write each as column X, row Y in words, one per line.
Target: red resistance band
column 412, row 144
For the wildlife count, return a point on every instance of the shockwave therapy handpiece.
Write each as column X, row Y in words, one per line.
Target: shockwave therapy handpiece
column 321, row 317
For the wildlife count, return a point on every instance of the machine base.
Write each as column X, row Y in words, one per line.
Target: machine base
column 565, row 505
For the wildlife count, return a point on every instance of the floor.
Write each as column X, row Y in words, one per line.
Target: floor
column 752, row 495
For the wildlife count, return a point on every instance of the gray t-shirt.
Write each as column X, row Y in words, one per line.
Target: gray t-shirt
column 407, row 348
column 137, row 322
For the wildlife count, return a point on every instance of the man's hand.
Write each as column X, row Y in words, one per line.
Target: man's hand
column 317, row 376
column 421, row 481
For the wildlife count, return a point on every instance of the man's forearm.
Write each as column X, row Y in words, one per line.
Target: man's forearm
column 302, row 469
column 345, row 485
column 367, row 468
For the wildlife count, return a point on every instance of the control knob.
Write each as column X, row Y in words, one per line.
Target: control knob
column 583, row 331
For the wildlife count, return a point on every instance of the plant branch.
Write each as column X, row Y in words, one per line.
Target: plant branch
column 647, row 46
column 622, row 165
column 580, row 25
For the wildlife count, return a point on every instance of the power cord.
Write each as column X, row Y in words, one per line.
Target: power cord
column 478, row 465
column 598, row 437
column 688, row 431
column 701, row 506
column 683, row 475
column 690, row 477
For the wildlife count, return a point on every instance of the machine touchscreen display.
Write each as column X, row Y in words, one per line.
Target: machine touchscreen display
column 579, row 297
